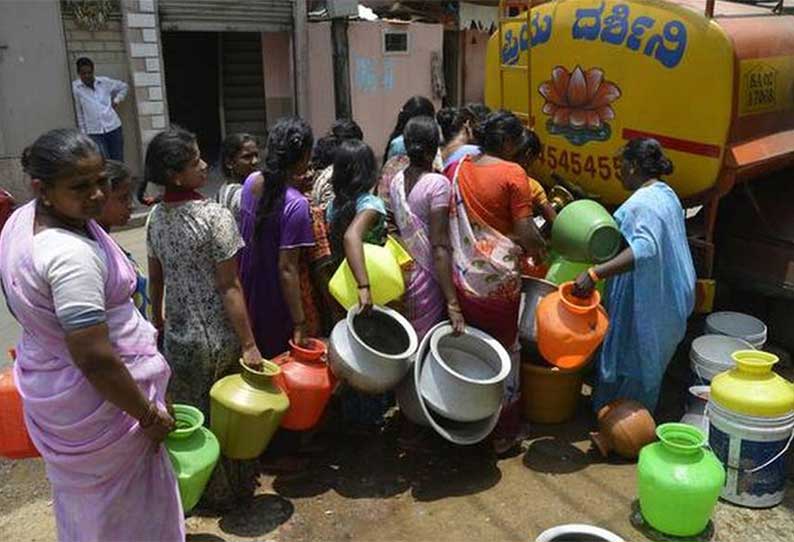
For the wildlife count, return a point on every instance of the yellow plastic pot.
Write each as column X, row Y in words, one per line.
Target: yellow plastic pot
column 751, row 388
column 384, row 267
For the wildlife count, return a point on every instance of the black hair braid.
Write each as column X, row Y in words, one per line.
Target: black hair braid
column 289, row 141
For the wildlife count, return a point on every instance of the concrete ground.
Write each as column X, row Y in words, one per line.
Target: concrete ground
column 383, row 488
column 402, row 485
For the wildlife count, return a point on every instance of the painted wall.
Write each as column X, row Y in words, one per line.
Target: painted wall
column 381, row 84
column 277, row 64
column 475, row 47
column 321, row 78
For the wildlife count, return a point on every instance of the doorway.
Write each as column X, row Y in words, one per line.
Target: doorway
column 215, row 85
column 191, row 67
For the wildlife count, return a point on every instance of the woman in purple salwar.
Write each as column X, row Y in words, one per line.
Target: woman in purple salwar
column 420, row 201
column 276, row 225
column 91, row 379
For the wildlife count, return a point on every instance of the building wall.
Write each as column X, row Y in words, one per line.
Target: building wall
column 34, row 84
column 106, row 48
column 321, row 78
column 277, row 68
column 475, row 47
column 380, row 84
column 141, row 32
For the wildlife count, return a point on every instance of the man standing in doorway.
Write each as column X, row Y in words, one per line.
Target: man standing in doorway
column 96, row 100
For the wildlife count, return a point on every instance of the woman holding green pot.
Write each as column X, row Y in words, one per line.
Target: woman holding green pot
column 650, row 283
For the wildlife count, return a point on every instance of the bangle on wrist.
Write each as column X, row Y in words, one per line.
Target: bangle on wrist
column 363, row 286
column 593, row 275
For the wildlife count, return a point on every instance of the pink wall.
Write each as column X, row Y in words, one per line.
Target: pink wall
column 321, row 78
column 381, row 84
column 475, row 46
column 277, row 66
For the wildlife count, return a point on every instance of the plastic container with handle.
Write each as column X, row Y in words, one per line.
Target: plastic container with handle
column 384, row 267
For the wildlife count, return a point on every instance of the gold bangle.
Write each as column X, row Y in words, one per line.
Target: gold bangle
column 593, row 275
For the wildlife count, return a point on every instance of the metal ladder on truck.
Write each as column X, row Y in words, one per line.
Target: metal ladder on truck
column 504, row 18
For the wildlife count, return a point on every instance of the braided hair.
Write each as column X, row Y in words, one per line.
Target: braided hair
column 288, row 143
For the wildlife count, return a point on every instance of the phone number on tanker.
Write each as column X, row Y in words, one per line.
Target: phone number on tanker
column 605, row 167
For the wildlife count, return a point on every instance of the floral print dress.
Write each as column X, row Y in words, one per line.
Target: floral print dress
column 189, row 240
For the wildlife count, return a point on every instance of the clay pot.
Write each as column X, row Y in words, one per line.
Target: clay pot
column 625, row 426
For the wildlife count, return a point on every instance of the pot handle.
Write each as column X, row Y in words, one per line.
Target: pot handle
column 775, row 458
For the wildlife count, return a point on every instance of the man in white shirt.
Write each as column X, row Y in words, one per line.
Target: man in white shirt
column 96, row 100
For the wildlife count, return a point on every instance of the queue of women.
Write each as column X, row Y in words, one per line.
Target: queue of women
column 242, row 275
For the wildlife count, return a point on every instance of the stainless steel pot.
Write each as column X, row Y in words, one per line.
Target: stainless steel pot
column 463, row 376
column 355, row 350
column 413, row 406
column 532, row 291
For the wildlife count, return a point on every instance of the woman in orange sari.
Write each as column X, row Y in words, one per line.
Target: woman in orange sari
column 491, row 226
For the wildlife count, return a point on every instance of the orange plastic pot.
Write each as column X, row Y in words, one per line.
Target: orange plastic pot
column 308, row 382
column 15, row 442
column 570, row 328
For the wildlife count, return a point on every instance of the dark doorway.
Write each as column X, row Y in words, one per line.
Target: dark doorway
column 192, row 71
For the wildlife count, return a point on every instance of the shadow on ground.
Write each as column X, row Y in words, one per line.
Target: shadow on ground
column 263, row 515
column 384, row 463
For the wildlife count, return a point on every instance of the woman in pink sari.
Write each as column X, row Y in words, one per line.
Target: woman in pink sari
column 421, row 200
column 491, row 226
column 91, row 379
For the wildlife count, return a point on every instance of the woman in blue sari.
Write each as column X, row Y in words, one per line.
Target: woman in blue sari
column 651, row 282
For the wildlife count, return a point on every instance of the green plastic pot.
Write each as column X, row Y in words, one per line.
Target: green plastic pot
column 563, row 270
column 585, row 232
column 679, row 481
column 194, row 452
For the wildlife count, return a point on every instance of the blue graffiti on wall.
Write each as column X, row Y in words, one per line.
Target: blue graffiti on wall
column 668, row 47
column 368, row 77
column 514, row 45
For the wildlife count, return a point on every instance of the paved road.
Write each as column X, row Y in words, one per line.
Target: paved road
column 133, row 240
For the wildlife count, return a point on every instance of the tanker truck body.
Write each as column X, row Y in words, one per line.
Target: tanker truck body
column 588, row 75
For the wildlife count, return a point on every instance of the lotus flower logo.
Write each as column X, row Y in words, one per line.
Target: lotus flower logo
column 578, row 103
